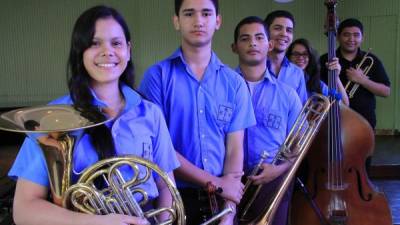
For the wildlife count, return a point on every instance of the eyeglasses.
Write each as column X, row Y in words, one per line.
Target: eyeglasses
column 300, row 54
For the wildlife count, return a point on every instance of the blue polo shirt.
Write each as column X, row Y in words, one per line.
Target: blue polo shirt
column 139, row 131
column 293, row 76
column 276, row 106
column 199, row 114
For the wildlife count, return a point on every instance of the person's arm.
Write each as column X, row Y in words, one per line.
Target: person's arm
column 190, row 173
column 269, row 173
column 232, row 188
column 164, row 197
column 31, row 207
column 358, row 76
column 233, row 165
column 342, row 90
column 335, row 65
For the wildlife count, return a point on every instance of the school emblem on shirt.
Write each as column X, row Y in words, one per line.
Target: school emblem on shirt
column 272, row 121
column 147, row 151
column 224, row 113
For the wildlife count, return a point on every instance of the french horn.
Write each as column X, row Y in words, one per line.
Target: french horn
column 56, row 128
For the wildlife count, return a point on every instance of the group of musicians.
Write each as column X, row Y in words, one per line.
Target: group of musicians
column 199, row 120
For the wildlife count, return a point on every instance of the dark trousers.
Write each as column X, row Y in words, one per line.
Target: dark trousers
column 197, row 205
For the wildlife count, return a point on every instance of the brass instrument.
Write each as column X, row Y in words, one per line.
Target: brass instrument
column 212, row 190
column 365, row 67
column 293, row 150
column 218, row 216
column 56, row 128
column 119, row 196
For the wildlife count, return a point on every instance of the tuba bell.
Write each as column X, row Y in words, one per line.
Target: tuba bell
column 102, row 188
column 293, row 150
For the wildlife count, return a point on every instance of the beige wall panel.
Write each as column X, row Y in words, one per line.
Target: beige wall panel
column 36, row 34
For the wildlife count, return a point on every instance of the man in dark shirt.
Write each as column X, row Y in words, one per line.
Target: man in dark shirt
column 375, row 82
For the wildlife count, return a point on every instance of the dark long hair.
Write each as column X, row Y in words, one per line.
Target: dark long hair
column 313, row 68
column 79, row 79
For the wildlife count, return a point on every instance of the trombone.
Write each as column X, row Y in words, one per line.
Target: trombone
column 294, row 149
column 366, row 67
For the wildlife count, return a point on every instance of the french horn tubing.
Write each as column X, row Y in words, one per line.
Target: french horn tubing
column 56, row 128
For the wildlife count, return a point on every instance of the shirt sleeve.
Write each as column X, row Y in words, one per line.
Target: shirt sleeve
column 30, row 164
column 379, row 74
column 243, row 116
column 151, row 85
column 295, row 109
column 324, row 88
column 301, row 89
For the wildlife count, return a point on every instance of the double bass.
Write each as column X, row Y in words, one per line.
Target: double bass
column 338, row 191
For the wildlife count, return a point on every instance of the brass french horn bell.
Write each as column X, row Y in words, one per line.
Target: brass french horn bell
column 56, row 129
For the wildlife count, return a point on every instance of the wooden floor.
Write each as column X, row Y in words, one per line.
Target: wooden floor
column 392, row 190
column 386, row 171
column 385, row 174
column 387, row 150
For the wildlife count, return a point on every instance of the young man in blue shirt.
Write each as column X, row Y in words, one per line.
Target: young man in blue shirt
column 207, row 107
column 276, row 107
column 280, row 26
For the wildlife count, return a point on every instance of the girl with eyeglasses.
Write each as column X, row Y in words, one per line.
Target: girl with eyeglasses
column 304, row 56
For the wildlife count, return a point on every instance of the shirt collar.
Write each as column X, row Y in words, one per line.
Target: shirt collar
column 267, row 75
column 339, row 54
column 132, row 98
column 285, row 63
column 215, row 61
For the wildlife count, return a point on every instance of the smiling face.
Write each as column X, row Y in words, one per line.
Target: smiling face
column 106, row 59
column 197, row 22
column 300, row 56
column 281, row 34
column 252, row 44
column 350, row 39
